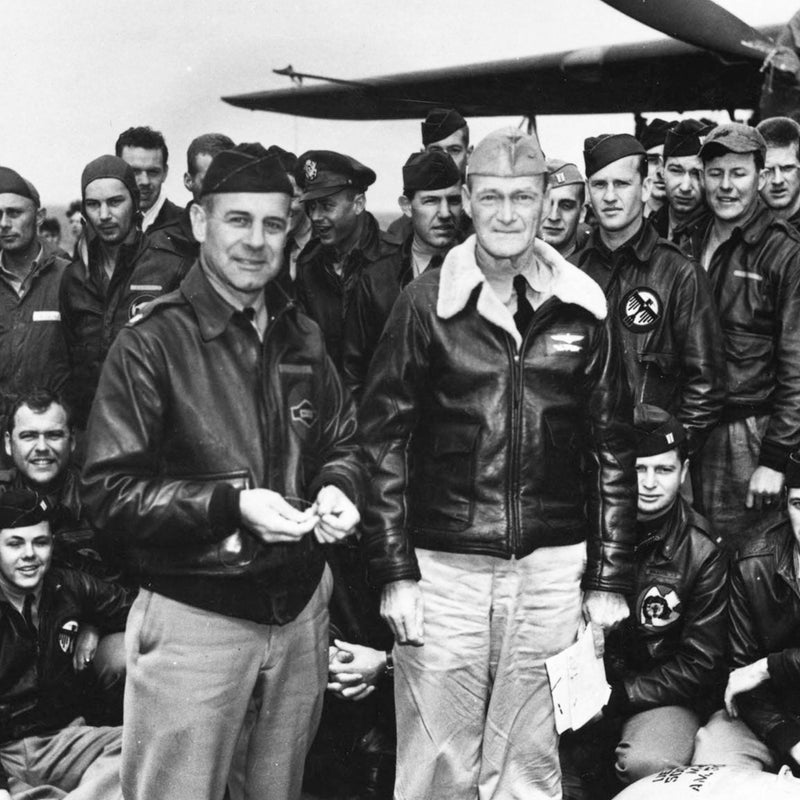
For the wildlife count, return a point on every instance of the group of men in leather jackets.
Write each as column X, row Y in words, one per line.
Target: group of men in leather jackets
column 542, row 401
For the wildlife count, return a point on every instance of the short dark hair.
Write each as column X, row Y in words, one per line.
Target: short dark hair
column 51, row 225
column 144, row 137
column 209, row 144
column 37, row 400
column 780, row 132
column 75, row 207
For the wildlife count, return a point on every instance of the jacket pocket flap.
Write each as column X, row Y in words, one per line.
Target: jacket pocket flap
column 454, row 438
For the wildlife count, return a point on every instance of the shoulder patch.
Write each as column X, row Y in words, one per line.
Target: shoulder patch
column 151, row 306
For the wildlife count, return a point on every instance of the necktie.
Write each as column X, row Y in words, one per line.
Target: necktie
column 27, row 611
column 524, row 313
column 249, row 313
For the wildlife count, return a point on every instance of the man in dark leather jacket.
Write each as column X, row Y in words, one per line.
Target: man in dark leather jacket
column 45, row 744
column 346, row 240
column 760, row 726
column 221, row 439
column 432, row 201
column 753, row 263
column 503, row 483
column 659, row 299
column 666, row 662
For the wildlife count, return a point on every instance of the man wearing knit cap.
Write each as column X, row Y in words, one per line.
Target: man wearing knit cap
column 493, row 421
column 114, row 273
column 33, row 351
column 658, row 298
column 431, row 199
column 667, row 661
column 759, row 727
column 753, row 263
column 222, row 453
column 685, row 208
column 346, row 240
column 652, row 137
column 781, row 191
column 563, row 208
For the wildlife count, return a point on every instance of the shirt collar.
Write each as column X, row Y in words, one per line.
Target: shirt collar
column 149, row 216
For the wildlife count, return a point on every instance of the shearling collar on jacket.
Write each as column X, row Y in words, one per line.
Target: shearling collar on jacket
column 461, row 274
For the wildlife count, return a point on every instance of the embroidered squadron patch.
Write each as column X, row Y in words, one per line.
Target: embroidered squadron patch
column 67, row 636
column 310, row 170
column 138, row 304
column 658, row 606
column 640, row 309
column 305, row 413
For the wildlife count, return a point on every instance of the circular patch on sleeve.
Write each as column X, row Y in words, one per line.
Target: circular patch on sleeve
column 641, row 309
column 67, row 636
column 139, row 303
column 658, row 606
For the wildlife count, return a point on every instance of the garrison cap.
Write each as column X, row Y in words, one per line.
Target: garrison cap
column 321, row 173
column 562, row 173
column 734, row 137
column 685, row 138
column 656, row 431
column 654, row 133
column 600, row 151
column 793, row 471
column 21, row 508
column 507, row 153
column 441, row 123
column 12, row 182
column 287, row 158
column 247, row 168
column 110, row 167
column 435, row 170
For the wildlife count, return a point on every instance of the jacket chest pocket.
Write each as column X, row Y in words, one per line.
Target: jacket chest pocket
column 442, row 496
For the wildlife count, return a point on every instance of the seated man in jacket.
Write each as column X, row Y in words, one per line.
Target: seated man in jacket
column 45, row 744
column 667, row 659
column 760, row 727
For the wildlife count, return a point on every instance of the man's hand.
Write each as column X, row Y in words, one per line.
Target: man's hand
column 85, row 648
column 336, row 513
column 764, row 489
column 354, row 670
column 401, row 607
column 5, row 795
column 604, row 610
column 266, row 514
column 743, row 680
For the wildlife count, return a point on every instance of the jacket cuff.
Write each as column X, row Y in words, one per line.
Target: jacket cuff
column 784, row 736
column 773, row 456
column 223, row 510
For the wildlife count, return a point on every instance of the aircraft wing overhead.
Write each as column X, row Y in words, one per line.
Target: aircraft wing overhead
column 646, row 76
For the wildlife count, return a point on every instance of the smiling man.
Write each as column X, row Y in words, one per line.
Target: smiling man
column 346, row 240
column 753, row 262
column 217, row 407
column 658, row 298
column 492, row 417
column 781, row 191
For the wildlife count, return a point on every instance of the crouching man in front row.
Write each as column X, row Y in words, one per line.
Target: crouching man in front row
column 665, row 663
column 46, row 749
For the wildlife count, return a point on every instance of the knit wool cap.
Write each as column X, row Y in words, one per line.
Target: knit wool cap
column 656, row 430
column 12, row 182
column 508, row 153
column 247, row 168
column 435, row 170
column 685, row 139
column 562, row 173
column 441, row 123
column 20, row 508
column 110, row 167
column 600, row 151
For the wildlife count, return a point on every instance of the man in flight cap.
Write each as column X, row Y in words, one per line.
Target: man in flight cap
column 492, row 418
column 222, row 449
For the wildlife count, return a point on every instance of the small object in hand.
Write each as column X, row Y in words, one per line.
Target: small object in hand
column 389, row 663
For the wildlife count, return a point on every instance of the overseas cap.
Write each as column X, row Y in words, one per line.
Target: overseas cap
column 110, row 167
column 247, row 168
column 12, row 182
column 685, row 138
column 654, row 133
column 20, row 508
column 321, row 173
column 287, row 158
column 793, row 471
column 562, row 173
column 735, row 138
column 425, row 170
column 508, row 153
column 600, row 151
column 656, row 431
column 441, row 123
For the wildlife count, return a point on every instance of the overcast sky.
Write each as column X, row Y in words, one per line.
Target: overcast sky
column 76, row 74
